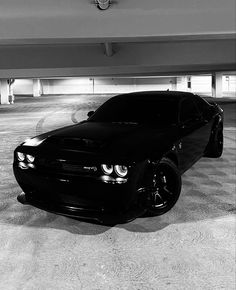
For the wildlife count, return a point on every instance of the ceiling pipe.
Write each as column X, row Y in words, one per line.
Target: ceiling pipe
column 108, row 49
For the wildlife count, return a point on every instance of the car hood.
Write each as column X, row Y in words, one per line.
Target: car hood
column 119, row 139
column 97, row 131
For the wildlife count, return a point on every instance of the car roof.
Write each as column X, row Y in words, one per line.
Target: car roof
column 177, row 95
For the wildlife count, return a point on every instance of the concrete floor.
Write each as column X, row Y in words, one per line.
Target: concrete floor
column 190, row 247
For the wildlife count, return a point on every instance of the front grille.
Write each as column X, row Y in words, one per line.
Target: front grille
column 47, row 163
column 78, row 168
column 64, row 166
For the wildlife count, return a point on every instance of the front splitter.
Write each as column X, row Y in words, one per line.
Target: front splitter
column 101, row 217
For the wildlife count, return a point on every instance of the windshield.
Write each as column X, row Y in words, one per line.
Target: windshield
column 137, row 110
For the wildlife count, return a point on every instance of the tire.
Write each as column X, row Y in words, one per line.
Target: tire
column 162, row 187
column 215, row 146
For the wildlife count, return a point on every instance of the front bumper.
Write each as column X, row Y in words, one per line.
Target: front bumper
column 79, row 197
column 79, row 212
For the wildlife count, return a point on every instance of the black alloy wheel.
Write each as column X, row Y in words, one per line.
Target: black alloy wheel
column 163, row 187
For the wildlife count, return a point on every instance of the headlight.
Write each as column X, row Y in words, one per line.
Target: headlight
column 20, row 156
column 22, row 165
column 121, row 170
column 30, row 158
column 107, row 169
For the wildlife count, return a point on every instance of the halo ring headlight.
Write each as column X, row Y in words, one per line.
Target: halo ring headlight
column 107, row 169
column 121, row 170
column 22, row 165
column 20, row 156
column 30, row 158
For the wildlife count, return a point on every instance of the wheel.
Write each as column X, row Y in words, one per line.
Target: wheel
column 215, row 147
column 162, row 189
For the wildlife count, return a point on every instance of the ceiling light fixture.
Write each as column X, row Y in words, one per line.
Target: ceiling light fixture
column 103, row 4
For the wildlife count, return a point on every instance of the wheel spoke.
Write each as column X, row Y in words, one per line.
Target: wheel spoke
column 156, row 195
column 159, row 190
column 142, row 190
column 166, row 190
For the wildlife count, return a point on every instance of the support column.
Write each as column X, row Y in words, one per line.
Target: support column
column 216, row 84
column 189, row 83
column 173, row 83
column 4, row 92
column 184, row 83
column 36, row 88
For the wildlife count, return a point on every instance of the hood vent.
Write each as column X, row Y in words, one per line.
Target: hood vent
column 80, row 144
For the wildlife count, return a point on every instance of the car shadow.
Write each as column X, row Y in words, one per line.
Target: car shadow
column 14, row 213
column 194, row 205
column 208, row 192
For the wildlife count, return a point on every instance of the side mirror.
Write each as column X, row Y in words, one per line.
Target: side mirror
column 90, row 113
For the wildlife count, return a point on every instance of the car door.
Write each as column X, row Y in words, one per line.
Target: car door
column 192, row 141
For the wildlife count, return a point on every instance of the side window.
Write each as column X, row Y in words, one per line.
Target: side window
column 188, row 110
column 202, row 105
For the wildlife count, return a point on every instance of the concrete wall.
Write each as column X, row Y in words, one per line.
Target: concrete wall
column 93, row 85
column 123, row 85
column 200, row 84
column 229, row 83
column 67, row 86
column 23, row 87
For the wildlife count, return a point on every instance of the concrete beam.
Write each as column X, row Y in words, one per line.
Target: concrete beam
column 118, row 39
column 35, row 61
column 120, row 71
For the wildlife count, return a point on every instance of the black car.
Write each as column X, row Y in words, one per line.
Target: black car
column 124, row 161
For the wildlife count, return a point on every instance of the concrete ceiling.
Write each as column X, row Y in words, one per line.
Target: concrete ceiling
column 56, row 38
column 25, row 20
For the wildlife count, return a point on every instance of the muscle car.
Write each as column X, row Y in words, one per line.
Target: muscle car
column 124, row 161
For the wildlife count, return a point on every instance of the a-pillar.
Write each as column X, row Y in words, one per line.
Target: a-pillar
column 36, row 88
column 4, row 92
column 216, row 82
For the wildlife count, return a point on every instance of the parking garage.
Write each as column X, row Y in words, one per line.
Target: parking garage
column 52, row 73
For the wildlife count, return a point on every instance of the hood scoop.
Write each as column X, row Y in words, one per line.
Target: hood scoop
column 77, row 144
